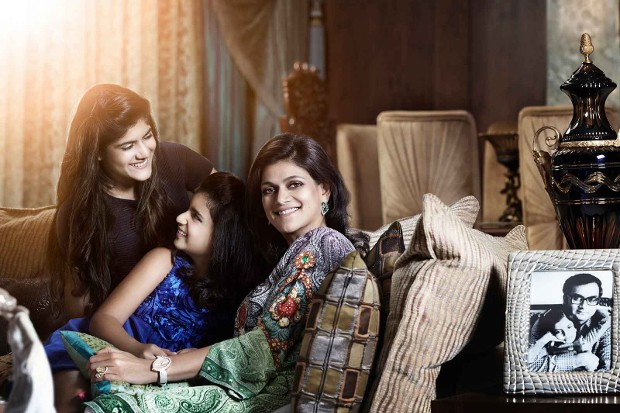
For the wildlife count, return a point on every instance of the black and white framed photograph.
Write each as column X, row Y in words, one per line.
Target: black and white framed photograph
column 560, row 318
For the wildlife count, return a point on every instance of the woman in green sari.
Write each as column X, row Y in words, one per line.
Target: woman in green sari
column 296, row 208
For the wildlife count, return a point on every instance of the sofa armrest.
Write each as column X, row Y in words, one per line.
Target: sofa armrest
column 34, row 294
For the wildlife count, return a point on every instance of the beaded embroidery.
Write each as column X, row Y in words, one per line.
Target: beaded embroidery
column 286, row 311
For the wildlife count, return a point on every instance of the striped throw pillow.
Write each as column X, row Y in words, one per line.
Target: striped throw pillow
column 439, row 288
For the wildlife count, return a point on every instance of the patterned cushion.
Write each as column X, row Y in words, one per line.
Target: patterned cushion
column 407, row 225
column 81, row 346
column 440, row 285
column 381, row 259
column 339, row 341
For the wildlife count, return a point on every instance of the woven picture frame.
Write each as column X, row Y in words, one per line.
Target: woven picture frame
column 561, row 322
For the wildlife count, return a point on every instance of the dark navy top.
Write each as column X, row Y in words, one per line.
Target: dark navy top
column 181, row 170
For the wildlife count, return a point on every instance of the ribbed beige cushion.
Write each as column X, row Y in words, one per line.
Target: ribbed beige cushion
column 438, row 291
column 358, row 163
column 462, row 208
column 425, row 152
column 539, row 218
column 23, row 241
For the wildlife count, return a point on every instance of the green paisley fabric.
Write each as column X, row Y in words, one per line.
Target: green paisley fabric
column 253, row 372
column 232, row 363
column 245, row 377
column 210, row 398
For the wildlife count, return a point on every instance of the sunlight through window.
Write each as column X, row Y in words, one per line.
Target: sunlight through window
column 23, row 18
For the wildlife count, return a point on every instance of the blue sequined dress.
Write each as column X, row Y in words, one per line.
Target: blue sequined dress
column 168, row 317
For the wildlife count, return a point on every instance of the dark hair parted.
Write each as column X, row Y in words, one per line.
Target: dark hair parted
column 550, row 318
column 232, row 271
column 582, row 279
column 104, row 114
column 306, row 153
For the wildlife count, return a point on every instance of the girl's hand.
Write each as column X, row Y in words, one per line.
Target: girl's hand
column 120, row 365
column 548, row 337
column 186, row 350
column 150, row 351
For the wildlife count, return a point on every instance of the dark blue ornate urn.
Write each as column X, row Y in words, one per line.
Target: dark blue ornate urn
column 581, row 171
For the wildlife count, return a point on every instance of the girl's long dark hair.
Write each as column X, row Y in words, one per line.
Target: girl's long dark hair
column 308, row 154
column 105, row 113
column 232, row 270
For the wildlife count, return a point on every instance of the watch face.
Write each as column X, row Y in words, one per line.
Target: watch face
column 161, row 363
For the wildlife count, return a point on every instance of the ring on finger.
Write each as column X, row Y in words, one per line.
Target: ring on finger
column 101, row 371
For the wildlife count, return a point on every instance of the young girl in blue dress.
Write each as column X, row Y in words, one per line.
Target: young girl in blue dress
column 179, row 299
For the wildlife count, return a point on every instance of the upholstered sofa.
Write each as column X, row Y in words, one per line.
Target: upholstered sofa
column 25, row 270
column 440, row 283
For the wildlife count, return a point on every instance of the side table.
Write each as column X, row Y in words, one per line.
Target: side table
column 494, row 401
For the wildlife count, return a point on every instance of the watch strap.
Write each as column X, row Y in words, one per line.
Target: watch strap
column 163, row 377
column 162, row 374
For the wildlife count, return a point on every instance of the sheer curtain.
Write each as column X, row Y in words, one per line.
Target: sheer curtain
column 228, row 103
column 52, row 51
column 264, row 39
column 211, row 69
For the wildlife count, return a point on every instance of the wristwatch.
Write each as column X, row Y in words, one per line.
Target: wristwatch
column 160, row 365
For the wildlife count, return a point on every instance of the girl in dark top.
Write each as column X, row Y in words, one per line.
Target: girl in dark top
column 118, row 193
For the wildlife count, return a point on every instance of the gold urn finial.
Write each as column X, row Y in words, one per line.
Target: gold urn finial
column 586, row 47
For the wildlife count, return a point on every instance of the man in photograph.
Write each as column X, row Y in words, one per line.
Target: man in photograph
column 579, row 336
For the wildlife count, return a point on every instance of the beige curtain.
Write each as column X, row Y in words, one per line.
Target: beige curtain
column 264, row 38
column 52, row 51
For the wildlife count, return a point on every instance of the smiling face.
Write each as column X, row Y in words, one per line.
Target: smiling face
column 292, row 199
column 195, row 229
column 129, row 160
column 581, row 311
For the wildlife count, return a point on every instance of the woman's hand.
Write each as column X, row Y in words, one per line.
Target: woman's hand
column 542, row 343
column 121, row 365
column 150, row 351
column 549, row 340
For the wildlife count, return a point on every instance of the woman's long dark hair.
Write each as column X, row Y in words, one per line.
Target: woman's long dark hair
column 306, row 153
column 105, row 113
column 232, row 270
